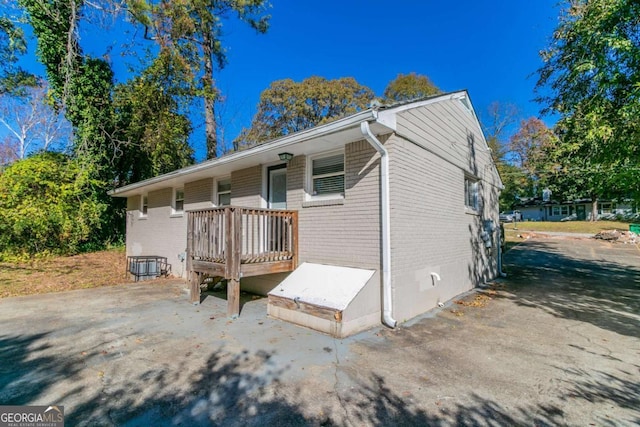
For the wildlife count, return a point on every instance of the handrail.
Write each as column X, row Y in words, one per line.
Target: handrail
column 252, row 235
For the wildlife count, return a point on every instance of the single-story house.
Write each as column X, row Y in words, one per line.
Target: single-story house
column 536, row 209
column 378, row 216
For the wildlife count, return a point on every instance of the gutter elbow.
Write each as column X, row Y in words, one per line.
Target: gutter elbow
column 389, row 321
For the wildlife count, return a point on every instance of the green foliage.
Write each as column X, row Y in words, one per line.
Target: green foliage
column 517, row 184
column 192, row 31
column 47, row 206
column 12, row 45
column 153, row 136
column 54, row 24
column 288, row 106
column 592, row 70
column 90, row 110
column 410, row 86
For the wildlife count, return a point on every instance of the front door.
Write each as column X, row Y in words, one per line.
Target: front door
column 277, row 187
column 581, row 212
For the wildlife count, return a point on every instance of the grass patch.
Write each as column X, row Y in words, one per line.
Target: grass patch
column 568, row 226
column 59, row 273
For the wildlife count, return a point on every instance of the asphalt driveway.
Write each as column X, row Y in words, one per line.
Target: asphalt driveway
column 556, row 343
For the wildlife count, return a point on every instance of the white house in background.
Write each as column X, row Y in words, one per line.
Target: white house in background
column 535, row 209
column 376, row 217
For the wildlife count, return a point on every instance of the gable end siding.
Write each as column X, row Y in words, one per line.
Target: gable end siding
column 432, row 231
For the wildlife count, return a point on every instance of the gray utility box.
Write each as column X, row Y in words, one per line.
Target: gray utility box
column 145, row 267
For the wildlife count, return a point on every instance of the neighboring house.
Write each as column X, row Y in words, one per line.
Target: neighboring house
column 535, row 209
column 383, row 215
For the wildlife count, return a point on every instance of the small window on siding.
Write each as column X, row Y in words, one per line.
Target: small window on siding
column 144, row 205
column 471, row 193
column 561, row 210
column 605, row 208
column 223, row 192
column 327, row 175
column 178, row 201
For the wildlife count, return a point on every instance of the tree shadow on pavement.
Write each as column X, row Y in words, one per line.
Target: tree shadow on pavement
column 226, row 389
column 598, row 386
column 377, row 405
column 595, row 290
column 27, row 369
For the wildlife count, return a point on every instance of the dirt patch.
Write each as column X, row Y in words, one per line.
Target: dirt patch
column 618, row 236
column 55, row 274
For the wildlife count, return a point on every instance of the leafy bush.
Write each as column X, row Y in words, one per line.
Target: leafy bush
column 48, row 204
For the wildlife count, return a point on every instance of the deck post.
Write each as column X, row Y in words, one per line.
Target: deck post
column 192, row 277
column 231, row 241
column 194, row 288
column 232, row 256
column 233, row 298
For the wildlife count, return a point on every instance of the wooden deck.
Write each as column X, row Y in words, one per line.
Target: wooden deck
column 234, row 242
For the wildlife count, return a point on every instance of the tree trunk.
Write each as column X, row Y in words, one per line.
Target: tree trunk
column 210, row 94
column 594, row 208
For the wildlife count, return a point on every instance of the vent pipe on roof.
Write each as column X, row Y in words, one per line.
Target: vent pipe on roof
column 387, row 290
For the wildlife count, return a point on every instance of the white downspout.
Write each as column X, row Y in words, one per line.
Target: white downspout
column 387, row 291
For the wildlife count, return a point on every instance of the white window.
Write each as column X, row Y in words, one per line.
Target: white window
column 178, row 200
column 605, row 208
column 471, row 193
column 326, row 175
column 561, row 210
column 223, row 192
column 144, row 205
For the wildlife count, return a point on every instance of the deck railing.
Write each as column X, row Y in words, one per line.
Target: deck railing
column 250, row 235
column 233, row 242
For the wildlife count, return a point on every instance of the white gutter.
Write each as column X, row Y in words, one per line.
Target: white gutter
column 278, row 144
column 387, row 290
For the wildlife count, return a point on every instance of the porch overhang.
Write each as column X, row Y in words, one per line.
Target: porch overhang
column 321, row 138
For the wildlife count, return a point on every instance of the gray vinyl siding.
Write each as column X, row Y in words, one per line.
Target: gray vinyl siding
column 340, row 232
column 431, row 229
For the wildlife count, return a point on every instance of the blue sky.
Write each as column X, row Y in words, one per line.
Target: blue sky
column 491, row 48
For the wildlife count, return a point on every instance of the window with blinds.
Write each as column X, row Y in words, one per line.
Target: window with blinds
column 327, row 175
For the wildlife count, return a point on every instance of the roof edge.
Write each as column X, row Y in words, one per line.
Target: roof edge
column 281, row 142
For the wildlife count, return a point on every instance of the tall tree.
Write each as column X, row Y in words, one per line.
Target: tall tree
column 152, row 134
column 592, row 73
column 80, row 84
column 500, row 117
column 193, row 31
column 33, row 124
column 531, row 145
column 496, row 124
column 287, row 106
column 410, row 86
